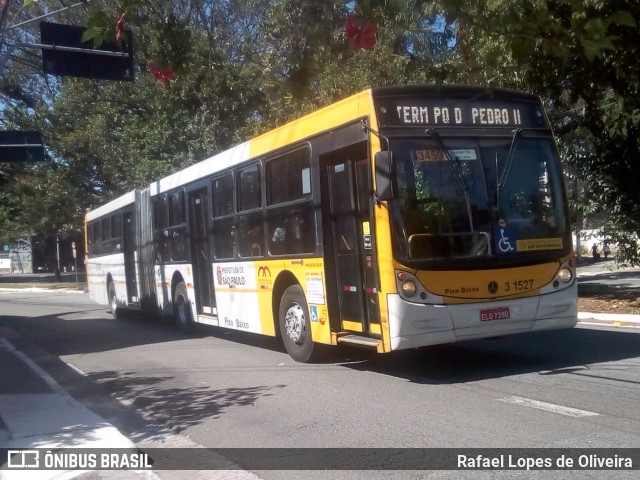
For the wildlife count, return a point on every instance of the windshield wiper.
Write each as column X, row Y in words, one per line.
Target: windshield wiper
column 510, row 156
column 456, row 170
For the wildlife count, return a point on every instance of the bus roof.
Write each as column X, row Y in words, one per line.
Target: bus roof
column 121, row 201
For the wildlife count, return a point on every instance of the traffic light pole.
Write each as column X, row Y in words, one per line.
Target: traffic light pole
column 4, row 57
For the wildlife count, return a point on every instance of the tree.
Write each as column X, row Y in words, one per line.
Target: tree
column 105, row 138
column 581, row 56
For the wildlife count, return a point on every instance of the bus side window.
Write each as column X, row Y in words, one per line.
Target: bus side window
column 106, row 229
column 224, row 229
column 302, row 230
column 116, row 226
column 278, row 227
column 222, row 195
column 290, row 217
column 116, row 232
column 97, row 232
column 249, row 188
column 291, row 230
column 251, row 235
column 224, row 232
column 178, row 229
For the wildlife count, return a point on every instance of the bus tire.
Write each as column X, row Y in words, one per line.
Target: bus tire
column 295, row 327
column 113, row 301
column 182, row 308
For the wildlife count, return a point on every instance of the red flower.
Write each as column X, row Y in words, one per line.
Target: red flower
column 162, row 74
column 360, row 35
column 352, row 27
column 368, row 36
column 119, row 27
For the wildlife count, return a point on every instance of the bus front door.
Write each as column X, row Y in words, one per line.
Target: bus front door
column 346, row 228
column 200, row 253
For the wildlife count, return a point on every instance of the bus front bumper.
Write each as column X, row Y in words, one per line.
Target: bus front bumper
column 414, row 325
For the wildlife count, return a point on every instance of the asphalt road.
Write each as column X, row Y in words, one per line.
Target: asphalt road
column 572, row 388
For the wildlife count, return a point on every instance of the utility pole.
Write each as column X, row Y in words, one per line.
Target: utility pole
column 57, row 269
column 75, row 263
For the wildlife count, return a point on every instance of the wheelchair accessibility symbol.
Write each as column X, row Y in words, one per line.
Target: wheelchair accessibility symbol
column 314, row 314
column 505, row 242
column 504, row 237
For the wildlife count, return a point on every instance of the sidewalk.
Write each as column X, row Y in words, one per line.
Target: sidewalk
column 35, row 412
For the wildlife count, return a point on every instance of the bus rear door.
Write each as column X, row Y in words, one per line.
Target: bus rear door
column 201, row 253
column 129, row 248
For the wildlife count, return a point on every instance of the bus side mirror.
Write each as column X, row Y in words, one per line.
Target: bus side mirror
column 384, row 177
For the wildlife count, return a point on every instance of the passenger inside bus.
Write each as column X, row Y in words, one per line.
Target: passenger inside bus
column 289, row 233
column 279, row 236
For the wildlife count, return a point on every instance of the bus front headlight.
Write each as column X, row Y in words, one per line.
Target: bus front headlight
column 564, row 275
column 409, row 288
column 407, row 284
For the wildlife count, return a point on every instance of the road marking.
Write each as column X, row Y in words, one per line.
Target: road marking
column 548, row 407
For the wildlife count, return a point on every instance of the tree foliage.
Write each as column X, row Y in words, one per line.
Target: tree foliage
column 241, row 67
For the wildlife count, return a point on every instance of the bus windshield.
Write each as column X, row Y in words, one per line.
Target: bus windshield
column 476, row 197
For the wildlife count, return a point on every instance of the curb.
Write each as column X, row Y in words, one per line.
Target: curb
column 43, row 289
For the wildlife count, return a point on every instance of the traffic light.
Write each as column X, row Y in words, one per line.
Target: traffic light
column 16, row 146
column 64, row 54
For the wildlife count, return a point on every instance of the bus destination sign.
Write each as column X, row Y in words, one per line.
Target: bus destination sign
column 432, row 112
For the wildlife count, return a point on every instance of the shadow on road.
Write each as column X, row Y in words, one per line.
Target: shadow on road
column 544, row 352
column 170, row 409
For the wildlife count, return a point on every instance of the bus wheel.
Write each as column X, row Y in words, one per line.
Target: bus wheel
column 182, row 307
column 113, row 301
column 294, row 324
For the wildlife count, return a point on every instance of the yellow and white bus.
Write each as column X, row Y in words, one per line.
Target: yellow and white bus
column 397, row 218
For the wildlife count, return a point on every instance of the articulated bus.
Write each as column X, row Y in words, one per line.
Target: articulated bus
column 397, row 218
